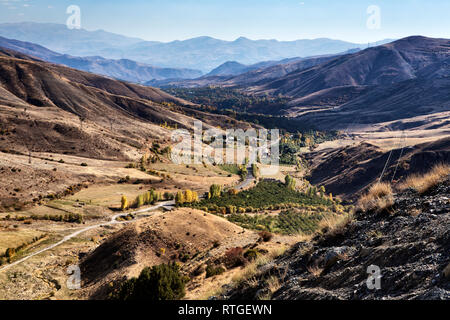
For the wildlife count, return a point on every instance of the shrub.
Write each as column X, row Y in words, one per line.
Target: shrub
column 234, row 258
column 265, row 236
column 84, row 164
column 251, row 254
column 163, row 282
column 214, row 271
column 380, row 197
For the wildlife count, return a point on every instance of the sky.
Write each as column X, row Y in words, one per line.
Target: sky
column 360, row 21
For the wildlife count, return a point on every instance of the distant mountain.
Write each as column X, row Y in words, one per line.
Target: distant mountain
column 59, row 38
column 233, row 74
column 229, row 68
column 399, row 85
column 206, row 53
column 123, row 69
column 233, row 68
column 203, row 53
column 403, row 79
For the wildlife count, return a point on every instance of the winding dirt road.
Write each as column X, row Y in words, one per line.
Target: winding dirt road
column 112, row 221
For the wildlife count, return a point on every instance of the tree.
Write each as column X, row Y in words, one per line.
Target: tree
column 10, row 252
column 215, row 190
column 139, row 201
column 179, row 198
column 289, row 182
column 163, row 282
column 188, row 196
column 124, row 204
column 195, row 196
column 149, row 197
column 322, row 191
column 255, row 170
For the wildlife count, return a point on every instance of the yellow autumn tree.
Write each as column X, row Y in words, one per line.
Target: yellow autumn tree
column 188, row 196
column 194, row 196
column 179, row 198
column 124, row 203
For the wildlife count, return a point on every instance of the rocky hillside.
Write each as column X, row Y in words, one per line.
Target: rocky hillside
column 409, row 242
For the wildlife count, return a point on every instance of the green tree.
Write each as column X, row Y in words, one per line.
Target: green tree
column 255, row 170
column 289, row 182
column 163, row 282
column 215, row 190
column 322, row 191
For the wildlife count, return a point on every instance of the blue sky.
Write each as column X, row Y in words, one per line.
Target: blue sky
column 166, row 20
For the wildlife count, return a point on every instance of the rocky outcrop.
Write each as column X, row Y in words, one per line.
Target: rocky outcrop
column 409, row 243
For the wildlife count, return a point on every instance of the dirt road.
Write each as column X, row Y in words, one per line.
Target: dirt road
column 167, row 205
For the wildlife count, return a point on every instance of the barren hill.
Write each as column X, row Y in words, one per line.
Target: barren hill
column 349, row 171
column 184, row 234
column 51, row 108
column 395, row 81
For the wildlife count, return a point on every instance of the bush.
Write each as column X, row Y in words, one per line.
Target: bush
column 84, row 164
column 234, row 258
column 216, row 244
column 212, row 271
column 379, row 198
column 251, row 254
column 163, row 282
column 265, row 236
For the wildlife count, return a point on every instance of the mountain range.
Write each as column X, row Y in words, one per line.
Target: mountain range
column 202, row 53
column 404, row 79
column 122, row 69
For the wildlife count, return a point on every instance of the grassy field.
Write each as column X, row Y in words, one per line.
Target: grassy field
column 13, row 238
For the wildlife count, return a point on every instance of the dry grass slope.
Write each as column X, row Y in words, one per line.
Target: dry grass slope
column 423, row 183
column 380, row 197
